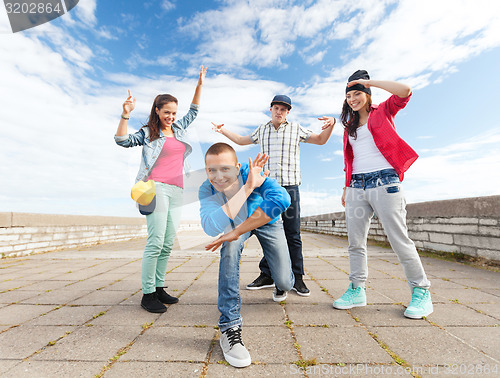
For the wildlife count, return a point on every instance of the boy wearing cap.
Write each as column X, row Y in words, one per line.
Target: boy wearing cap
column 279, row 139
column 240, row 201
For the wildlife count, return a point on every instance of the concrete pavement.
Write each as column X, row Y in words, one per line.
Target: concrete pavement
column 77, row 313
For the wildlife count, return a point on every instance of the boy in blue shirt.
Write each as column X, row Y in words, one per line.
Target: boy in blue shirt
column 239, row 201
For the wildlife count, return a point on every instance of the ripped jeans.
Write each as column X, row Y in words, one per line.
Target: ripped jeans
column 380, row 192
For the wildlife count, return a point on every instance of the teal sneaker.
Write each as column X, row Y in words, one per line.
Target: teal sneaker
column 351, row 298
column 420, row 305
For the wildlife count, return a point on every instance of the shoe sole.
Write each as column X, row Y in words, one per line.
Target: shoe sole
column 417, row 316
column 237, row 363
column 177, row 301
column 154, row 312
column 348, row 307
column 301, row 294
column 279, row 299
column 259, row 287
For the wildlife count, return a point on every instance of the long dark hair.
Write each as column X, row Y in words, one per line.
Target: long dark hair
column 350, row 118
column 153, row 120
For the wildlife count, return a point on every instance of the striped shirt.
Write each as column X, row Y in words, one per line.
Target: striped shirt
column 282, row 146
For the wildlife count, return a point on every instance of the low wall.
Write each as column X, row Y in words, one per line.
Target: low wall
column 470, row 226
column 25, row 233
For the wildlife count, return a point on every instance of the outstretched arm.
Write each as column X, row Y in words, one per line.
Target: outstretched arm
column 257, row 219
column 197, row 92
column 236, row 138
column 128, row 106
column 394, row 87
column 322, row 138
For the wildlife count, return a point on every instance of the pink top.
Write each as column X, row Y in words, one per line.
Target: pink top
column 168, row 166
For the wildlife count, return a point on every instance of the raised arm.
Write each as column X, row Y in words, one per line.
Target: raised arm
column 322, row 138
column 197, row 92
column 236, row 138
column 128, row 106
column 393, row 87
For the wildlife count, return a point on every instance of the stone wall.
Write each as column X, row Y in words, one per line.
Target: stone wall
column 470, row 226
column 24, row 233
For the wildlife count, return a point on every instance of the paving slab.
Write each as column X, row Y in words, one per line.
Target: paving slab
column 484, row 339
column 90, row 343
column 263, row 370
column 318, row 314
column 23, row 341
column 172, row 344
column 154, row 369
column 20, row 313
column 428, row 345
column 182, row 314
column 339, row 345
column 69, row 315
column 44, row 369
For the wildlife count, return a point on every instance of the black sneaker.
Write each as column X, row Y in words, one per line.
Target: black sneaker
column 151, row 303
column 164, row 297
column 261, row 282
column 300, row 288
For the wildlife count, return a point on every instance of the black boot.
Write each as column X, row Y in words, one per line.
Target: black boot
column 164, row 297
column 151, row 303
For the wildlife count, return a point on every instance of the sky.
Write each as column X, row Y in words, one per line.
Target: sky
column 62, row 85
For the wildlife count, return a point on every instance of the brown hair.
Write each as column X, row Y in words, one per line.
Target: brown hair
column 153, row 120
column 350, row 118
column 219, row 148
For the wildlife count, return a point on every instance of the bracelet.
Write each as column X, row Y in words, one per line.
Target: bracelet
column 125, row 117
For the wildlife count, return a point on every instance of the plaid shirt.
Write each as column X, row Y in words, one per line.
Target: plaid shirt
column 282, row 146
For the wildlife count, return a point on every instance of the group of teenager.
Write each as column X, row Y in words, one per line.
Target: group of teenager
column 262, row 198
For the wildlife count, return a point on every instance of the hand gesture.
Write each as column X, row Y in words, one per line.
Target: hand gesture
column 203, row 72
column 327, row 122
column 363, row 82
column 217, row 128
column 129, row 104
column 229, row 237
column 254, row 179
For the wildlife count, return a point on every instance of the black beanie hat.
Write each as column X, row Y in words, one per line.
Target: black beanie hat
column 359, row 74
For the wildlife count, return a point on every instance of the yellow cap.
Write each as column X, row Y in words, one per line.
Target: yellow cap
column 143, row 192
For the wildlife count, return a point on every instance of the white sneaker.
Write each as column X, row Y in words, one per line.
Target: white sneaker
column 279, row 295
column 234, row 351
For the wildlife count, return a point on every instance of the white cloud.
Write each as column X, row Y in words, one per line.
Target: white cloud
column 167, row 5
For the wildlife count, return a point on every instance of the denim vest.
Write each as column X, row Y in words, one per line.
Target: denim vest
column 151, row 150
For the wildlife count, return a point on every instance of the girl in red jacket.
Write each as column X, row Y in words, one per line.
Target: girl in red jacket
column 375, row 160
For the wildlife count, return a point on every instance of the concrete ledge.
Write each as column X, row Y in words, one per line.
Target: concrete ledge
column 34, row 220
column 467, row 225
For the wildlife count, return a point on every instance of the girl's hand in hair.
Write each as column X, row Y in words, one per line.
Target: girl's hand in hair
column 129, row 104
column 363, row 82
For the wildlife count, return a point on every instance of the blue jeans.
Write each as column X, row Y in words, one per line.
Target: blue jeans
column 291, row 225
column 373, row 179
column 272, row 239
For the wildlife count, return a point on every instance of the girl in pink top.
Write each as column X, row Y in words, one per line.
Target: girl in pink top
column 164, row 149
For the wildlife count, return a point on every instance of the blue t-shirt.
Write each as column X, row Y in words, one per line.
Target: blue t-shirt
column 271, row 197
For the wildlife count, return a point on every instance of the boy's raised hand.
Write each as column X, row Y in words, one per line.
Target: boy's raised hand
column 255, row 179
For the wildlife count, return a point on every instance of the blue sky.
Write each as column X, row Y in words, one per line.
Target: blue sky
column 63, row 84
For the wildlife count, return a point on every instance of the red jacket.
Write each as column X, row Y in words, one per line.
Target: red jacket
column 381, row 124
